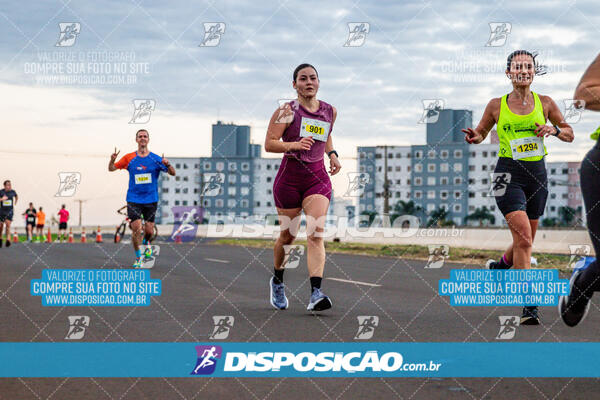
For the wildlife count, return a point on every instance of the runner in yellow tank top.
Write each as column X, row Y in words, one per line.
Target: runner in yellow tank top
column 521, row 118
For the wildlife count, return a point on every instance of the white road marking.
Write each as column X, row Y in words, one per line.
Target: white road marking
column 217, row 260
column 355, row 282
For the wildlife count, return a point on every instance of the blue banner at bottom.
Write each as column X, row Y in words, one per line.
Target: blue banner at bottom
column 299, row 359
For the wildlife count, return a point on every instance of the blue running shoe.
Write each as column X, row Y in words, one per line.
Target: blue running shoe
column 138, row 262
column 278, row 299
column 318, row 301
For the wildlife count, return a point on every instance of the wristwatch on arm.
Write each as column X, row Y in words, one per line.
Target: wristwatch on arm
column 329, row 153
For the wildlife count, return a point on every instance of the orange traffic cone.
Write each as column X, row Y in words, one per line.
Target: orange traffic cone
column 49, row 237
column 98, row 236
column 70, row 235
column 117, row 236
column 83, row 237
column 15, row 237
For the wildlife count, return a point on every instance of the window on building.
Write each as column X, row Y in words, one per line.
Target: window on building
column 165, row 190
column 457, row 180
column 457, row 208
column 444, row 194
column 418, row 194
column 245, row 166
column 231, row 191
column 443, row 180
column 457, row 167
column 418, row 181
column 444, row 154
column 244, row 191
column 458, row 154
column 419, row 168
column 457, row 195
column 431, row 180
column 219, row 203
column 220, row 166
column 430, row 167
column 206, row 166
column 431, row 194
column 444, row 167
column 431, row 154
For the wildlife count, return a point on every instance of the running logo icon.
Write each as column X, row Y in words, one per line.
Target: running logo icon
column 357, row 181
column 142, row 110
column 286, row 111
column 573, row 110
column 68, row 33
column 437, row 255
column 68, row 183
column 579, row 252
column 500, row 181
column 508, row 327
column 431, row 110
column 293, row 254
column 357, row 34
column 77, row 326
column 186, row 226
column 207, row 359
column 213, row 183
column 212, row 34
column 499, row 32
column 366, row 326
column 223, row 324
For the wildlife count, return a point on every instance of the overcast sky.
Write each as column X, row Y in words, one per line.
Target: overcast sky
column 412, row 51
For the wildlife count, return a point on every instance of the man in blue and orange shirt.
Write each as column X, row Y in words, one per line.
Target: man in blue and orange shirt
column 144, row 168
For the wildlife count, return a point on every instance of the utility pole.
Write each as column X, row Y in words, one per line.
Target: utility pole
column 386, row 183
column 80, row 208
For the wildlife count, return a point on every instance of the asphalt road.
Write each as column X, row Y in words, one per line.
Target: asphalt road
column 202, row 280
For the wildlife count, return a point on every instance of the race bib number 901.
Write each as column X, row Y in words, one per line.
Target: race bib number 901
column 141, row 179
column 527, row 147
column 319, row 130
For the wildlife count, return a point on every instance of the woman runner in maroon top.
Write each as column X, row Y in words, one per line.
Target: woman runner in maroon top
column 301, row 129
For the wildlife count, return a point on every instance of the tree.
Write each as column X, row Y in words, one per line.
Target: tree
column 481, row 214
column 438, row 218
column 406, row 208
column 566, row 215
column 549, row 222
